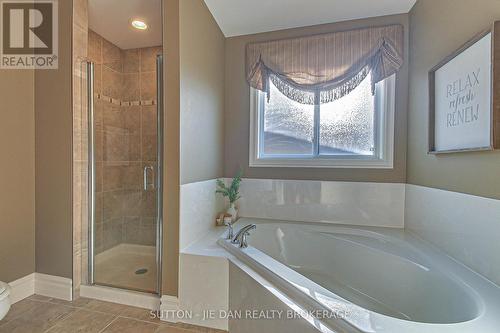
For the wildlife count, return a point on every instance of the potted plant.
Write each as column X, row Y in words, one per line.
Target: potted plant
column 232, row 192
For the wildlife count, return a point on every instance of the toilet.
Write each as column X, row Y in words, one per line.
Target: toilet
column 4, row 299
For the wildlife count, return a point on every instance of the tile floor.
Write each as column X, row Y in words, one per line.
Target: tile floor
column 39, row 314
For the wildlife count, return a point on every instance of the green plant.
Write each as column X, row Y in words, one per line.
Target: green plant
column 231, row 192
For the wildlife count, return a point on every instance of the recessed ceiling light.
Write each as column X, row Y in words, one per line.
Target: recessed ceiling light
column 138, row 24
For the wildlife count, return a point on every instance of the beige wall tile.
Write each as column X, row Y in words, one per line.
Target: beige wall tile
column 111, row 82
column 149, row 147
column 149, row 204
column 111, row 55
column 149, row 119
column 98, row 239
column 98, row 207
column 112, row 177
column 148, row 58
column 130, row 88
column 131, row 61
column 132, row 230
column 132, row 119
column 112, row 206
column 113, row 119
column 94, row 47
column 112, row 233
column 115, row 147
column 132, row 176
column 148, row 86
column 132, row 202
column 99, row 146
column 80, row 13
column 97, row 79
column 134, row 147
column 80, row 36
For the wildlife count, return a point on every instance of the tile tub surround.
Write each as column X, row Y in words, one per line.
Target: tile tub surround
column 466, row 227
column 39, row 314
column 365, row 204
column 199, row 207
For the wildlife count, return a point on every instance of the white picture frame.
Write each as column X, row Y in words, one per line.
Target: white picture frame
column 461, row 99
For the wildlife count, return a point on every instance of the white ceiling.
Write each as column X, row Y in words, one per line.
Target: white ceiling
column 242, row 17
column 111, row 19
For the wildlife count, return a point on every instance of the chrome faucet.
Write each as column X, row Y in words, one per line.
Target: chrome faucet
column 241, row 236
column 229, row 226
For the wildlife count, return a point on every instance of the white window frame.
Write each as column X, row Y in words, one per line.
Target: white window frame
column 384, row 136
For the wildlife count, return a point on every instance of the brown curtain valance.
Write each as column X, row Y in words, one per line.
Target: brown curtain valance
column 332, row 64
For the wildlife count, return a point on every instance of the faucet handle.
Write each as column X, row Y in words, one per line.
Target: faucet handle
column 228, row 223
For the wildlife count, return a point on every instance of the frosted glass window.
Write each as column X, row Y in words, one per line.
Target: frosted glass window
column 288, row 126
column 355, row 131
column 347, row 125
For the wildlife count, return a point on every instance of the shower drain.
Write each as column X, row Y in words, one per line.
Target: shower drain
column 141, row 271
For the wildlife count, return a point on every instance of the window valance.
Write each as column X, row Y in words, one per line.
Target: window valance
column 322, row 68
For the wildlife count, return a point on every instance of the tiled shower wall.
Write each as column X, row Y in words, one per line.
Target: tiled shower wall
column 125, row 142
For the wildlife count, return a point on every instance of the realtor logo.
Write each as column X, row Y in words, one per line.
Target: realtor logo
column 28, row 34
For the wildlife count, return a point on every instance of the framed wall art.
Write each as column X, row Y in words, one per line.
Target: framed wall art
column 463, row 108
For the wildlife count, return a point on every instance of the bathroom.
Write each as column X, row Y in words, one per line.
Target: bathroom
column 314, row 131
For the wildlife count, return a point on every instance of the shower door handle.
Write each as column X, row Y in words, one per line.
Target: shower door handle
column 149, row 185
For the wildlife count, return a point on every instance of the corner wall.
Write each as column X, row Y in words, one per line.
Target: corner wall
column 202, row 93
column 17, row 174
column 171, row 173
column 437, row 28
column 237, row 109
column 194, row 109
column 53, row 158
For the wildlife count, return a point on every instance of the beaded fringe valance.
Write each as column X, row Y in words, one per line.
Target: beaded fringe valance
column 323, row 68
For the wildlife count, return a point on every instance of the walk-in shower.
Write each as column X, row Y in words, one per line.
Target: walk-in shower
column 124, row 92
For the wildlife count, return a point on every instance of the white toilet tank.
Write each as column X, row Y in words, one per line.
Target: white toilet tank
column 4, row 299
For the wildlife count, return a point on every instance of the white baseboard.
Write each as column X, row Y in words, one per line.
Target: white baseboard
column 54, row 286
column 41, row 284
column 22, row 288
column 168, row 309
column 126, row 297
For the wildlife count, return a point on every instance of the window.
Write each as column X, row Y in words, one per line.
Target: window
column 355, row 131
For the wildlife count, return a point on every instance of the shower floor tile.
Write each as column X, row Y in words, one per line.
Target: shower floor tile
column 127, row 266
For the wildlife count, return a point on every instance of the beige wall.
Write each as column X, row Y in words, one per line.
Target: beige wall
column 53, row 158
column 237, row 109
column 193, row 98
column 202, row 93
column 437, row 28
column 17, row 174
column 171, row 147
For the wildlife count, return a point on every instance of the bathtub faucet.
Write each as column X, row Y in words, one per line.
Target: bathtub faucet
column 241, row 236
column 229, row 226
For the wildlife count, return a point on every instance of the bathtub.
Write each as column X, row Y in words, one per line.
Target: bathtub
column 368, row 279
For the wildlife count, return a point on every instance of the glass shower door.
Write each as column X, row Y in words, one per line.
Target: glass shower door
column 125, row 155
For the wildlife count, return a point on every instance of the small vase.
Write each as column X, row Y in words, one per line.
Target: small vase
column 233, row 211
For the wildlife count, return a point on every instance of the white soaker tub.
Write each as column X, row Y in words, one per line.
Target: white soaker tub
column 374, row 279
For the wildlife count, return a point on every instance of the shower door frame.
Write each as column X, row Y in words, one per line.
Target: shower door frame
column 158, row 178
